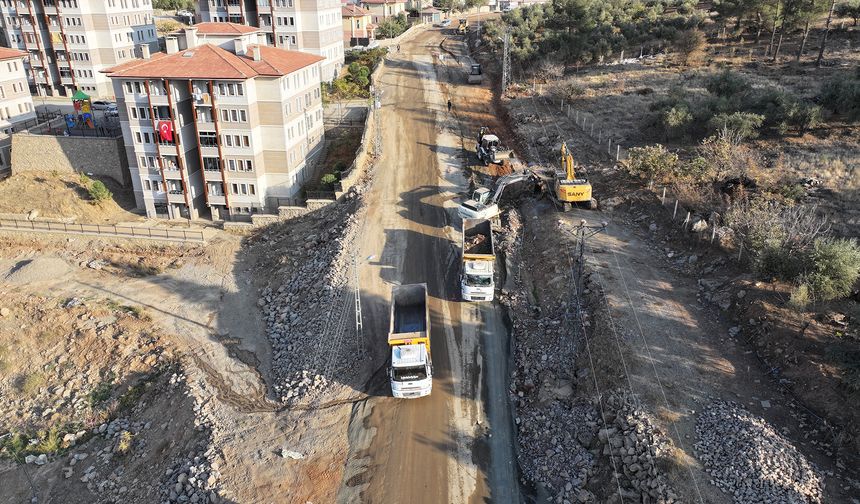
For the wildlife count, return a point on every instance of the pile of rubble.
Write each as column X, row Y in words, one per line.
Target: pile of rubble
column 749, row 460
column 564, row 446
column 636, row 446
column 302, row 313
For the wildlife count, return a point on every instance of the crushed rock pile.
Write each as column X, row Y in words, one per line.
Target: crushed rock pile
column 309, row 304
column 749, row 460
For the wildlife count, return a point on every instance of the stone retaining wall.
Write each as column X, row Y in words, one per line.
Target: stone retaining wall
column 100, row 156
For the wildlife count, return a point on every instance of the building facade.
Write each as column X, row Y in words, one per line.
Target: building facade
column 16, row 104
column 69, row 42
column 380, row 10
column 357, row 28
column 312, row 26
column 220, row 129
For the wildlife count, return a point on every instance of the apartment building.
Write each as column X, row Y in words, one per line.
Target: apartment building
column 220, row 126
column 16, row 104
column 380, row 10
column 312, row 26
column 69, row 42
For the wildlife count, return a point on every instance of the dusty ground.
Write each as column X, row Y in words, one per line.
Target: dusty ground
column 68, row 199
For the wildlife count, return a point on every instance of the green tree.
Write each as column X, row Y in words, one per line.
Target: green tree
column 851, row 9
column 99, row 192
column 834, row 266
column 653, row 162
column 744, row 124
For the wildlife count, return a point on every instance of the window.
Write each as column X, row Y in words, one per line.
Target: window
column 228, row 140
column 146, row 137
column 251, row 189
column 147, row 184
column 243, row 117
column 138, row 137
column 234, row 115
column 235, row 188
column 134, row 112
column 231, row 163
column 246, row 141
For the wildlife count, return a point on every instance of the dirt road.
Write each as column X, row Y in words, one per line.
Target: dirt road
column 457, row 444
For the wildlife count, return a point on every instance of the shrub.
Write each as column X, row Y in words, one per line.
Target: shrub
column 392, row 27
column 654, row 162
column 800, row 297
column 99, row 191
column 49, row 442
column 677, row 120
column 31, row 383
column 842, row 96
column 101, row 393
column 329, row 180
column 690, row 45
column 727, row 84
column 744, row 124
column 834, row 266
column 123, row 445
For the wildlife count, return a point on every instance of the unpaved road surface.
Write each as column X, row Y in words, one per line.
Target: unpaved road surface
column 445, row 447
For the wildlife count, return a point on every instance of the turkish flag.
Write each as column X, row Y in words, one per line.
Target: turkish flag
column 165, row 131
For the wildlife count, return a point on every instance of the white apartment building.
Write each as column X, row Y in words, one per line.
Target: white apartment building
column 219, row 126
column 69, row 42
column 16, row 104
column 313, row 26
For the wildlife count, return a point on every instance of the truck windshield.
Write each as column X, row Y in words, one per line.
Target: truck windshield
column 410, row 374
column 479, row 281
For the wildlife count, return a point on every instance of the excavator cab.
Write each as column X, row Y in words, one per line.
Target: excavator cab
column 570, row 190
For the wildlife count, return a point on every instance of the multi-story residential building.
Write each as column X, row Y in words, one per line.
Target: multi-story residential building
column 16, row 104
column 380, row 10
column 357, row 28
column 69, row 42
column 220, row 125
column 312, row 26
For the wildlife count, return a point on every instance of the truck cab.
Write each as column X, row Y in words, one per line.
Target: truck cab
column 410, row 372
column 476, row 283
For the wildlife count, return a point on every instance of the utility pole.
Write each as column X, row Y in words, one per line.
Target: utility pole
column 506, row 61
column 583, row 233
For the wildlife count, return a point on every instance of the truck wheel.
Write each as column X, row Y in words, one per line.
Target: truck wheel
column 565, row 207
column 592, row 205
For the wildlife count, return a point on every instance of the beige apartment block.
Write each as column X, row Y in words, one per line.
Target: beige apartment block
column 69, row 42
column 380, row 10
column 16, row 104
column 220, row 126
column 312, row 26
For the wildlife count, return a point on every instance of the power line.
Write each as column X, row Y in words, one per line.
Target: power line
column 654, row 367
column 506, row 61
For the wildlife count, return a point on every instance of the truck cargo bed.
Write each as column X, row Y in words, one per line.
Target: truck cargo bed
column 409, row 319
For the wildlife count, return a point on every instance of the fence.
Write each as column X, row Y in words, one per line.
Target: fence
column 609, row 145
column 104, row 230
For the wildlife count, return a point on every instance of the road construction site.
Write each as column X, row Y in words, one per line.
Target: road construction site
column 596, row 374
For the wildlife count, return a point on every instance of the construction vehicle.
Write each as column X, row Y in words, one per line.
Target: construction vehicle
column 464, row 24
column 484, row 204
column 569, row 189
column 476, row 76
column 489, row 148
column 479, row 259
column 411, row 367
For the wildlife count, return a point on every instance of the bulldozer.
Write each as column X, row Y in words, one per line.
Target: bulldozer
column 489, row 149
column 569, row 189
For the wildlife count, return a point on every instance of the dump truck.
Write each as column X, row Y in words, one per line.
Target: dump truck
column 411, row 366
column 479, row 260
column 476, row 76
column 489, row 148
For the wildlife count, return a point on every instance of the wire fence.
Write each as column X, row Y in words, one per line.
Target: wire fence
column 607, row 143
column 108, row 230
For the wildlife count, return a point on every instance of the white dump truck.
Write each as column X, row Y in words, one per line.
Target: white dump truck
column 411, row 369
column 479, row 260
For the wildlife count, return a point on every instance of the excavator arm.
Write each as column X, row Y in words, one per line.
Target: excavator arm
column 507, row 180
column 567, row 163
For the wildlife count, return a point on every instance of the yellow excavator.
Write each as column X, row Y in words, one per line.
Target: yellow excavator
column 569, row 189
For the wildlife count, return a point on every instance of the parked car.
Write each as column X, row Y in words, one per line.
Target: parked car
column 112, row 111
column 184, row 13
column 445, row 23
column 103, row 105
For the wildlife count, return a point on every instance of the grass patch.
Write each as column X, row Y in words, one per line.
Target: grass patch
column 99, row 395
column 30, row 384
column 4, row 363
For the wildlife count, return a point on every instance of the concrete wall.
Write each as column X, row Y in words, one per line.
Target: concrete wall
column 99, row 156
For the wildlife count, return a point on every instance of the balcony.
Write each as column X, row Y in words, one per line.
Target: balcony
column 158, row 99
column 66, row 80
column 212, row 175
column 217, row 200
column 176, row 196
column 167, row 148
column 63, row 63
column 205, row 126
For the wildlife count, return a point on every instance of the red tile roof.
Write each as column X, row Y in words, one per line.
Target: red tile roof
column 352, row 10
column 6, row 53
column 212, row 62
column 380, row 2
column 223, row 29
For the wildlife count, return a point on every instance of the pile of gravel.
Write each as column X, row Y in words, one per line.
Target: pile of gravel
column 305, row 314
column 40, row 269
column 750, row 460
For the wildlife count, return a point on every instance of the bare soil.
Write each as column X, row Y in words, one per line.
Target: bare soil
column 63, row 196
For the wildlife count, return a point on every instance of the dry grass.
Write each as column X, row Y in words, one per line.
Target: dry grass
column 69, row 199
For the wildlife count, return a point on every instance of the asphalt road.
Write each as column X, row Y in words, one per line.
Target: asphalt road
column 456, row 445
